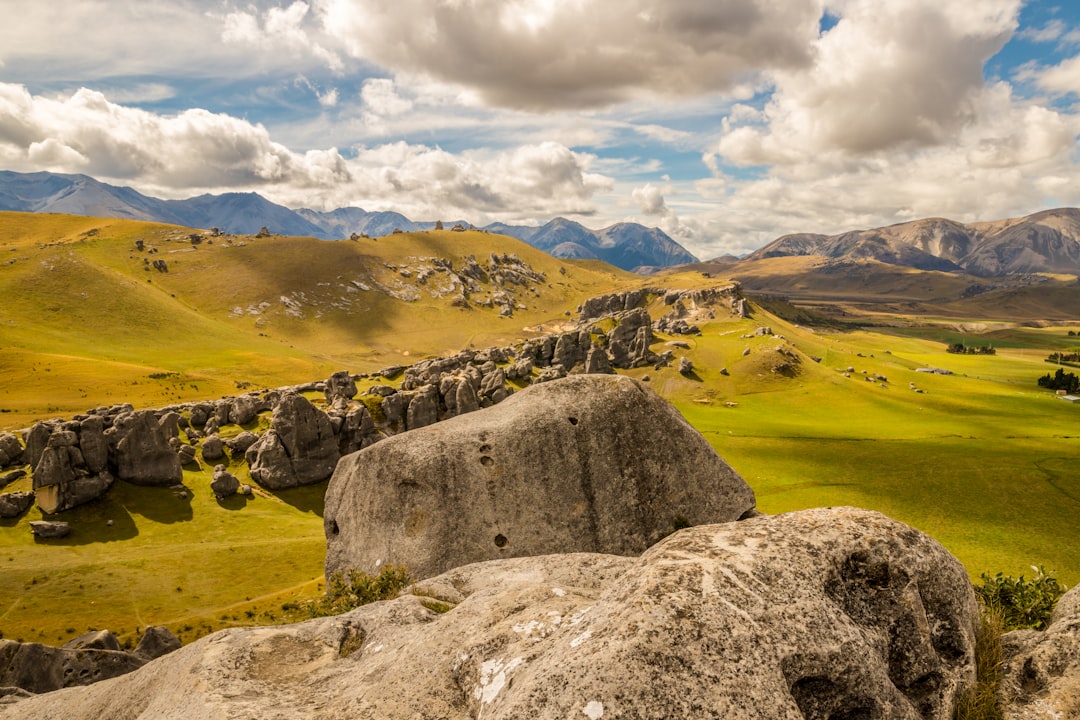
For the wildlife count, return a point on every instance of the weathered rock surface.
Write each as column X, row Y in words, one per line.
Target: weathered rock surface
column 835, row 613
column 298, row 449
column 224, row 483
column 63, row 477
column 11, row 450
column 48, row 529
column 1041, row 673
column 594, row 463
column 14, row 504
column 213, row 448
column 42, row 669
column 94, row 640
column 157, row 640
column 340, row 389
column 141, row 451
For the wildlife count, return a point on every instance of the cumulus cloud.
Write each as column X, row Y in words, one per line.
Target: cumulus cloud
column 278, row 28
column 887, row 75
column 549, row 54
column 198, row 150
column 1060, row 79
column 650, row 200
column 381, row 99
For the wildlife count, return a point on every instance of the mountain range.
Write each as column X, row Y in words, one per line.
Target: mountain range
column 1047, row 241
column 625, row 245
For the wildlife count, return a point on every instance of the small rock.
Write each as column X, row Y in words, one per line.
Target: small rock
column 46, row 529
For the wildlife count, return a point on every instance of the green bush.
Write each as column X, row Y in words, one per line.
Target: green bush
column 1022, row 603
column 353, row 588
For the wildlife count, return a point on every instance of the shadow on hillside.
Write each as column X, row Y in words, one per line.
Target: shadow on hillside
column 233, row 502
column 163, row 505
column 308, row 499
column 90, row 524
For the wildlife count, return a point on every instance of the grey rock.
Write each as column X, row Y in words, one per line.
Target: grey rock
column 423, row 408
column 1041, row 672
column 465, row 398
column 156, row 641
column 11, row 450
column 592, row 463
column 340, row 389
column 141, row 451
column 685, row 366
column 94, row 640
column 357, row 431
column 12, row 476
column 170, row 425
column 394, row 408
column 243, row 410
column 93, row 445
column 42, row 669
column 14, row 504
column 299, row 449
column 200, row 413
column 628, row 342
column 187, row 454
column 49, row 529
column 597, row 361
column 239, row 445
column 224, row 483
column 213, row 448
column 493, row 381
column 36, row 440
column 62, row 480
column 818, row 614
column 519, row 369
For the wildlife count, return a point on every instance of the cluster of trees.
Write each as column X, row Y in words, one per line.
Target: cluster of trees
column 1061, row 380
column 962, row 349
column 1063, row 358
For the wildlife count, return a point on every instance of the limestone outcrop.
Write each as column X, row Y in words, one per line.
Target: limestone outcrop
column 298, row 449
column 1041, row 673
column 41, row 668
column 832, row 613
column 14, row 504
column 141, row 450
column 595, row 463
column 71, row 469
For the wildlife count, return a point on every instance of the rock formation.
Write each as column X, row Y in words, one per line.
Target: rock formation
column 224, row 483
column 14, row 504
column 299, row 449
column 594, row 463
column 11, row 450
column 1041, row 674
column 66, row 475
column 833, row 613
column 42, row 669
column 142, row 452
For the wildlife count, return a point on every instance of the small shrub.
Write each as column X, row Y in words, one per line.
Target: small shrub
column 353, row 588
column 1022, row 603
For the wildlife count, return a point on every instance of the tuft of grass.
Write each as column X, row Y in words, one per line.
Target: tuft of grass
column 980, row 702
column 352, row 588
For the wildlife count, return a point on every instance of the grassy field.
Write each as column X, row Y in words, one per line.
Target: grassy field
column 982, row 459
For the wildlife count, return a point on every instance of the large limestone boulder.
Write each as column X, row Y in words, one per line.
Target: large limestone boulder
column 141, row 450
column 298, row 449
column 836, row 613
column 14, row 504
column 592, row 463
column 11, row 450
column 1042, row 669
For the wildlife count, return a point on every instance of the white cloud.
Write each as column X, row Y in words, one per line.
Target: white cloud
column 536, row 55
column 1060, row 79
column 650, row 200
column 1049, row 32
column 381, row 98
column 279, row 28
column 181, row 155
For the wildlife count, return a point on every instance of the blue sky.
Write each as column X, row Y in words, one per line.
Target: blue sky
column 725, row 122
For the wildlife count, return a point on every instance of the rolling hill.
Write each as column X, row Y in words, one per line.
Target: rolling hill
column 1045, row 242
column 88, row 317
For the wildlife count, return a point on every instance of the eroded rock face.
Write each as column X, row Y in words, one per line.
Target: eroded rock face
column 835, row 613
column 592, row 463
column 41, row 668
column 299, row 449
column 1042, row 669
column 142, row 452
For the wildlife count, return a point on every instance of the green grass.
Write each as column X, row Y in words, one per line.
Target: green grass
column 165, row 560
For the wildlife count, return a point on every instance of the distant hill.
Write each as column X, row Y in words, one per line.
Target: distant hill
column 625, row 245
column 1047, row 241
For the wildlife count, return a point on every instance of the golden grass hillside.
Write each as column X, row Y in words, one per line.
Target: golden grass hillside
column 86, row 318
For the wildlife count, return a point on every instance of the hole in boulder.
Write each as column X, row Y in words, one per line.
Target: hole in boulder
column 573, row 420
column 486, row 461
column 334, row 527
column 485, row 448
column 500, row 541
